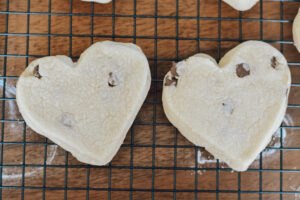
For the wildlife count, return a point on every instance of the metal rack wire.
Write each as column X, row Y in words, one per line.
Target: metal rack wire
column 6, row 12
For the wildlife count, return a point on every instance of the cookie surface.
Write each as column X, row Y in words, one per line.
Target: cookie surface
column 241, row 5
column 232, row 109
column 86, row 107
column 296, row 31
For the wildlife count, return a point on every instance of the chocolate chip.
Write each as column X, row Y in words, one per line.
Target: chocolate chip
column 173, row 70
column 169, row 82
column 36, row 72
column 242, row 70
column 274, row 62
column 112, row 80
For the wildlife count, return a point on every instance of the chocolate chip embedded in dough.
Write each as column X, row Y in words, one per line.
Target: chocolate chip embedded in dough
column 112, row 80
column 173, row 70
column 171, row 81
column 242, row 70
column 36, row 72
column 274, row 62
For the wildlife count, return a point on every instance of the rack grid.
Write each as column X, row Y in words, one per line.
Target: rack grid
column 155, row 161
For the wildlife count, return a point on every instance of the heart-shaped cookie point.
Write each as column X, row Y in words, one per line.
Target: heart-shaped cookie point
column 296, row 31
column 241, row 5
column 232, row 109
column 86, row 107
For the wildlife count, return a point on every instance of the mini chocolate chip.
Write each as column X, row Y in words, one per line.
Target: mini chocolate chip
column 242, row 70
column 173, row 70
column 36, row 72
column 274, row 62
column 169, row 82
column 287, row 92
column 112, row 80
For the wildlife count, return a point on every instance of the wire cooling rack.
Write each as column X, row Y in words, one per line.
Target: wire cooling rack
column 155, row 161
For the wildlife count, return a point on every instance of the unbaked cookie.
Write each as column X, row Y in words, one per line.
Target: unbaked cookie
column 86, row 107
column 241, row 5
column 231, row 108
column 296, row 31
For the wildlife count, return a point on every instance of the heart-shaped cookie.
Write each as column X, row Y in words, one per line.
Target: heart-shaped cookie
column 231, row 109
column 296, row 31
column 86, row 107
column 241, row 5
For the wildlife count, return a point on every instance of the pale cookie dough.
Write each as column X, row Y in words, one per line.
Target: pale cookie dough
column 241, row 5
column 86, row 107
column 296, row 31
column 232, row 109
column 98, row 1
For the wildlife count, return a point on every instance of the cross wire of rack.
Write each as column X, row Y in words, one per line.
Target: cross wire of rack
column 155, row 161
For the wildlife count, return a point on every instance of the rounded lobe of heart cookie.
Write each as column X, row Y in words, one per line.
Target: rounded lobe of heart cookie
column 296, row 31
column 86, row 107
column 241, row 5
column 98, row 1
column 232, row 116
